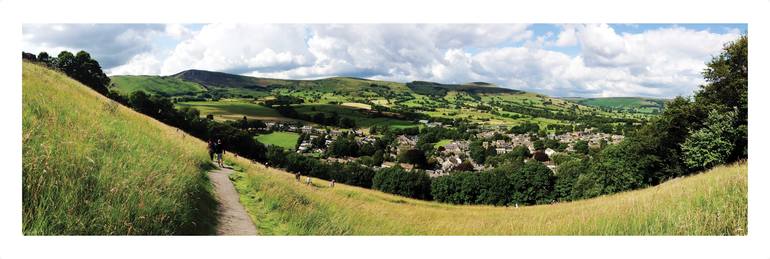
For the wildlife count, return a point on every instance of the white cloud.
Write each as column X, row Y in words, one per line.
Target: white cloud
column 141, row 64
column 578, row 60
column 240, row 48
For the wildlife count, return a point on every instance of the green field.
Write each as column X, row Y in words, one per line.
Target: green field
column 361, row 119
column 710, row 203
column 93, row 167
column 160, row 85
column 286, row 140
column 631, row 104
column 233, row 110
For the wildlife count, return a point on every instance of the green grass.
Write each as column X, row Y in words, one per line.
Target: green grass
column 160, row 85
column 286, row 140
column 442, row 143
column 361, row 119
column 93, row 167
column 634, row 104
column 710, row 203
column 233, row 110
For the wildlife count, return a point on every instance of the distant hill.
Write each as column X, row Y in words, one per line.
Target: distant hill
column 440, row 90
column 219, row 79
column 479, row 102
column 160, row 85
column 635, row 104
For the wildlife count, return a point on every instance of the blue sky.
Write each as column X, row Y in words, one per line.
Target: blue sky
column 592, row 60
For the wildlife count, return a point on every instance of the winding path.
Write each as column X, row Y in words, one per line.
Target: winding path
column 233, row 219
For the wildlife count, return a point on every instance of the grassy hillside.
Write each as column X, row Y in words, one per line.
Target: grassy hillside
column 633, row 104
column 160, row 85
column 711, row 203
column 93, row 167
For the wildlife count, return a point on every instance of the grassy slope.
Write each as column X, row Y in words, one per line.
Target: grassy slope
column 711, row 203
column 286, row 140
column 91, row 166
column 645, row 105
column 162, row 85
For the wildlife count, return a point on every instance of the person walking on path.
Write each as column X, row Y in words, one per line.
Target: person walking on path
column 331, row 184
column 220, row 150
column 211, row 147
column 297, row 176
column 309, row 181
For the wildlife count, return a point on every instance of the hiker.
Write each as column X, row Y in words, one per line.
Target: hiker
column 212, row 147
column 220, row 150
column 331, row 184
column 297, row 176
column 309, row 181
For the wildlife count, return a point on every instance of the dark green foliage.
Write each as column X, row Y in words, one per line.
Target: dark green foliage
column 525, row 128
column 415, row 157
column 566, row 177
column 532, row 184
column 516, row 183
column 479, row 153
column 344, row 145
column 414, row 184
column 711, row 145
column 581, row 146
column 80, row 67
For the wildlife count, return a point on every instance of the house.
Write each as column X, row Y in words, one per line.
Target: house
column 550, row 152
column 307, row 129
column 423, row 121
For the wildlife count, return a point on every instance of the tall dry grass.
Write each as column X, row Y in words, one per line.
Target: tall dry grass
column 710, row 203
column 93, row 167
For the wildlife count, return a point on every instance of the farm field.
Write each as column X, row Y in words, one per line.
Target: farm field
column 286, row 140
column 233, row 110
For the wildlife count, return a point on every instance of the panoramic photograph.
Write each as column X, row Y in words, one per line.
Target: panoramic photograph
column 380, row 129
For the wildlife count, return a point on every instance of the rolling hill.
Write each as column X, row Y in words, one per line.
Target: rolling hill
column 631, row 104
column 160, row 85
column 93, row 167
column 477, row 102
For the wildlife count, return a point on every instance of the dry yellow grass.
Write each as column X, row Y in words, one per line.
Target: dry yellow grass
column 93, row 167
column 710, row 203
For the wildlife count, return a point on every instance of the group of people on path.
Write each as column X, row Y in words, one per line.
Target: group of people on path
column 218, row 149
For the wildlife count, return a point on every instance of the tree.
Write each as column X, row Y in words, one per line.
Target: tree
column 415, row 157
column 566, row 176
column 414, row 184
column 532, row 184
column 713, row 144
column 727, row 77
column 44, row 57
column 581, row 146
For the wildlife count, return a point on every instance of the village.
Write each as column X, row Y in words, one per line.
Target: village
column 453, row 155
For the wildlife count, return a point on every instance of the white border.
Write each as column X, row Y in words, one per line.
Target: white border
column 14, row 13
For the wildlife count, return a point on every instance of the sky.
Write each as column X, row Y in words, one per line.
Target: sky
column 563, row 60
